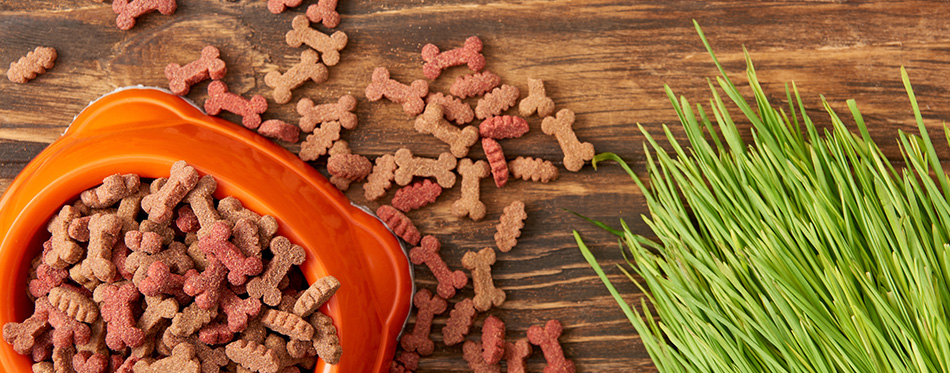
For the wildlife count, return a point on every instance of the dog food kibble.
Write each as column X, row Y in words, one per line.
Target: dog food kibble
column 416, row 195
column 324, row 11
column 473, row 85
column 509, row 228
column 381, row 178
column 537, row 100
column 279, row 6
column 128, row 10
column 100, row 306
column 309, row 68
column 497, row 101
column 486, row 294
column 472, row 353
column 329, row 46
column 458, row 139
column 453, row 108
column 534, row 169
column 503, row 127
column 428, row 305
column 278, row 129
column 428, row 253
column 219, row 98
column 470, row 204
column 546, row 337
column 470, row 54
column 34, row 63
column 341, row 111
column 493, row 340
column 575, row 152
column 399, row 223
column 410, row 166
column 496, row 158
column 516, row 354
column 208, row 66
column 410, row 96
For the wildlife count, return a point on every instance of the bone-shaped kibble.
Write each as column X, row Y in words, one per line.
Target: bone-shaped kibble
column 279, row 6
column 319, row 141
column 280, row 347
column 116, row 305
column 253, row 356
column 288, row 324
column 79, row 229
column 497, row 101
column 215, row 333
column 219, row 98
column 534, row 169
column 190, row 319
column 470, row 204
column 329, row 46
column 428, row 306
column 160, row 205
column 516, row 355
column 23, row 336
column 113, row 189
column 341, row 111
column 436, row 61
column 472, row 353
column 63, row 358
column 409, row 167
column 97, row 339
column 129, row 207
column 428, row 253
column 458, row 139
column 34, row 63
column 486, row 294
column 46, row 279
column 83, row 276
column 74, row 304
column 239, row 266
column 233, row 210
column 537, row 100
column 245, row 236
column 209, row 65
column 87, row 362
column 381, row 178
column 345, row 167
column 182, row 360
column 286, row 254
column 410, row 96
column 146, row 242
column 153, row 319
column 309, row 68
column 325, row 338
column 324, row 11
column 164, row 230
column 66, row 330
column 509, row 228
column 503, row 127
column 160, row 280
column 212, row 359
column 474, row 84
column 175, row 256
column 316, row 295
column 575, row 152
column 496, row 159
column 460, row 322
column 493, row 340
column 239, row 310
column 206, row 286
column 128, row 10
column 546, row 337
column 453, row 107
column 103, row 234
column 64, row 250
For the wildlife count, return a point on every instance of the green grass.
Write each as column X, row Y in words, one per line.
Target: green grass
column 803, row 251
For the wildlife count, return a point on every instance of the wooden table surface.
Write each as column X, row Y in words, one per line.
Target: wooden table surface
column 605, row 59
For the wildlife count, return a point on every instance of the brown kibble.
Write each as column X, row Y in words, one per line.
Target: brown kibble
column 74, row 304
column 516, row 355
column 278, row 129
column 436, row 61
column 288, row 324
column 486, row 294
column 286, row 254
column 79, row 229
column 160, row 205
column 253, row 356
column 474, row 84
column 245, row 236
column 190, row 319
column 496, row 158
column 537, row 100
column 497, row 101
column 546, row 337
column 381, row 178
column 129, row 207
column 410, row 96
column 469, row 204
column 341, row 111
column 287, row 362
column 325, row 338
column 309, row 68
column 453, row 107
column 183, row 360
column 460, row 322
column 113, row 189
column 575, row 152
column 278, row 6
column 316, row 295
column 63, row 358
column 534, row 169
column 153, row 319
column 201, row 201
column 64, row 250
column 324, row 11
column 233, row 210
column 472, row 353
column 319, row 141
column 410, row 166
column 103, row 234
column 416, row 195
column 23, row 336
column 458, row 139
column 175, row 256
column 329, row 46
column 250, row 110
column 31, row 65
column 146, row 242
column 209, row 65
column 351, row 167
column 428, row 305
column 43, row 367
column 509, row 227
column 399, row 223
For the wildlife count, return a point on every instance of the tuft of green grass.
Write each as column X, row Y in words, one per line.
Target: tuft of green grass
column 804, row 251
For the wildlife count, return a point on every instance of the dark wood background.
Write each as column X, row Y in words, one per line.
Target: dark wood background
column 605, row 59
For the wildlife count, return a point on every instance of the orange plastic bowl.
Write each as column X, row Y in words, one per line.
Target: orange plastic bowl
column 144, row 131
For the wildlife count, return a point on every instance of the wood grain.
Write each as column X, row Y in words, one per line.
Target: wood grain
column 605, row 59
